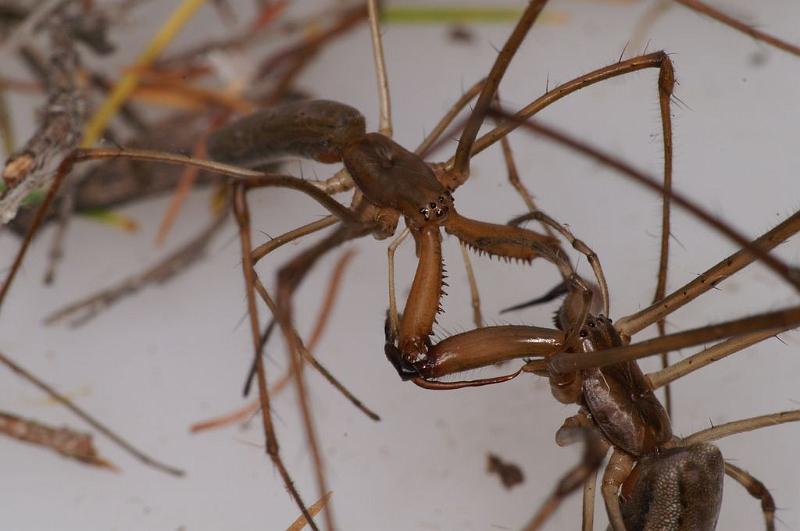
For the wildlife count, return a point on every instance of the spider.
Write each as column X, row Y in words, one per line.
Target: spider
column 584, row 115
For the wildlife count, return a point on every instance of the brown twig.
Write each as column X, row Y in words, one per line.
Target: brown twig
column 86, row 417
column 59, row 133
column 66, row 441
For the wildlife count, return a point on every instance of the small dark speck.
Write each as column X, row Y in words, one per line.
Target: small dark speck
column 461, row 34
column 759, row 58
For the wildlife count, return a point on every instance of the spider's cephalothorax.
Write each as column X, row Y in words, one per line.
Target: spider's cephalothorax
column 390, row 176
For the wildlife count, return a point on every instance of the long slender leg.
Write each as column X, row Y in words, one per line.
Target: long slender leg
column 740, row 426
column 631, row 324
column 617, row 471
column 781, row 319
column 634, row 64
column 757, row 490
column 385, row 124
column 578, row 245
column 657, row 59
column 516, row 182
column 289, row 277
column 666, row 85
column 279, row 241
column 255, row 178
column 272, row 447
column 708, row 356
column 460, row 167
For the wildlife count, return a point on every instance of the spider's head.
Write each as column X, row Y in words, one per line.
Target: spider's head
column 390, row 176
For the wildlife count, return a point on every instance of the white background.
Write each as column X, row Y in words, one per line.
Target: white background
column 175, row 354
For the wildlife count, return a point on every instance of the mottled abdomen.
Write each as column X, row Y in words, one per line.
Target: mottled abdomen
column 677, row 490
column 315, row 129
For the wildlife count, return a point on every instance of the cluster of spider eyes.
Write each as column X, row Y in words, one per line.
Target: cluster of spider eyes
column 440, row 209
column 591, row 324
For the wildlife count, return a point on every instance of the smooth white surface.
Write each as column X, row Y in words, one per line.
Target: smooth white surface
column 175, row 354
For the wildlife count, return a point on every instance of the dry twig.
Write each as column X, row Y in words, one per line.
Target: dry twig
column 66, row 441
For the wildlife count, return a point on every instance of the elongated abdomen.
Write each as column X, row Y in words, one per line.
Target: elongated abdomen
column 315, row 129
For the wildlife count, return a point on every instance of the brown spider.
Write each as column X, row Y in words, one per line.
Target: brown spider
column 568, row 198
